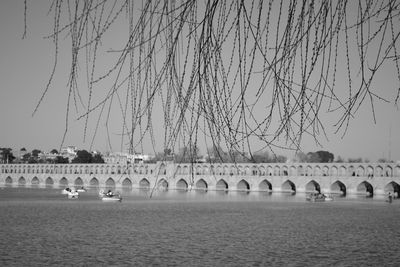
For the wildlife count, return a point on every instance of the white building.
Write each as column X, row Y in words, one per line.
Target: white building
column 125, row 158
column 115, row 158
column 69, row 152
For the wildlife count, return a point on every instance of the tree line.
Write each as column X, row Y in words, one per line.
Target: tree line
column 35, row 156
column 187, row 154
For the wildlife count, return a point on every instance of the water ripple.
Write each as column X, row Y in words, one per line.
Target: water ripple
column 176, row 230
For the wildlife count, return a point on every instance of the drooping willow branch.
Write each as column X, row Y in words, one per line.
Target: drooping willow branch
column 240, row 74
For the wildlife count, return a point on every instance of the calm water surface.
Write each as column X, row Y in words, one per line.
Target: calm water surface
column 41, row 227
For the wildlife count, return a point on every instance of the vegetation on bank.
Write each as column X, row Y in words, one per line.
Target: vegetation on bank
column 53, row 157
column 184, row 155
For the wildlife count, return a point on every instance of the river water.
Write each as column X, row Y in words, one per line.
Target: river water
column 41, row 227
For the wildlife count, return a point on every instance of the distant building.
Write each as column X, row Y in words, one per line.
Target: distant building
column 138, row 158
column 115, row 158
column 125, row 158
column 47, row 156
column 68, row 152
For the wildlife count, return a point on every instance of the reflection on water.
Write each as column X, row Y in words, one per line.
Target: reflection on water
column 177, row 228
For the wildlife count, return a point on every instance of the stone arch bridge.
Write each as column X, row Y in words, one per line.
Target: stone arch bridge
column 335, row 178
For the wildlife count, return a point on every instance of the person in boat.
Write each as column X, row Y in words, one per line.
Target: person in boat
column 68, row 189
column 390, row 197
column 110, row 193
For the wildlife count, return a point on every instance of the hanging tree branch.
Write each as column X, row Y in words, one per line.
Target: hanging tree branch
column 238, row 73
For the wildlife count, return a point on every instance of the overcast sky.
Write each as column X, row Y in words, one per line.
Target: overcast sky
column 25, row 66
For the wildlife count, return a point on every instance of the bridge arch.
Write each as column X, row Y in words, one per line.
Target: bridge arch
column 228, row 170
column 212, row 170
column 261, row 171
column 127, row 184
column 248, row 171
column 284, row 171
column 240, row 170
column 323, row 170
column 144, row 184
column 360, row 171
column 163, row 169
column 379, row 171
column 182, row 185
column 254, row 170
column 317, row 171
column 201, row 185
column 94, row 182
column 110, row 183
column 334, row 171
column 300, row 170
column 265, row 185
column 8, row 181
column 243, row 185
column 392, row 187
column 313, row 186
column 221, row 185
column 370, row 171
column 365, row 188
column 63, row 182
column 49, row 182
column 197, row 170
column 78, row 182
column 309, row 171
column 219, row 170
column 288, row 186
column 35, row 181
column 141, row 170
column 351, row 171
column 270, row 170
column 342, row 171
column 163, row 185
column 338, row 188
column 21, row 181
column 397, row 171
column 388, row 171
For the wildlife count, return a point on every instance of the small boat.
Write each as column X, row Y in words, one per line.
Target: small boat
column 67, row 190
column 116, row 197
column 328, row 197
column 316, row 197
column 110, row 196
column 73, row 194
column 81, row 190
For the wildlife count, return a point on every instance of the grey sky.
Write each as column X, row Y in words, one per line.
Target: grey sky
column 25, row 66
